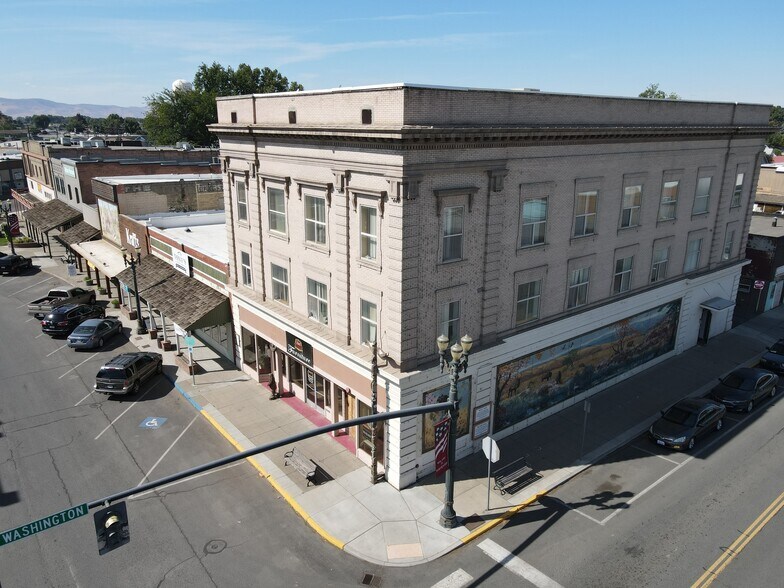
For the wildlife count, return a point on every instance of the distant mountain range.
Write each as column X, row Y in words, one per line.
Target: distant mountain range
column 15, row 107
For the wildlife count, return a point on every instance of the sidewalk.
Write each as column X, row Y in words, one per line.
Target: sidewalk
column 400, row 528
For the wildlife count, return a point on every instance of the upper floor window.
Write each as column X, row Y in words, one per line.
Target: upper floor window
column 702, row 196
column 669, row 200
column 247, row 276
column 242, row 201
column 450, row 320
column 659, row 265
column 276, row 204
column 368, row 321
column 578, row 287
column 368, row 232
column 528, row 298
column 585, row 214
column 692, row 255
column 622, row 280
column 728, row 242
column 737, row 192
column 452, row 233
column 632, row 203
column 280, row 284
column 317, row 301
column 315, row 219
column 534, row 222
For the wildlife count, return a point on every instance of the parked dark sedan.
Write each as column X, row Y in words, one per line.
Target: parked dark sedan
column 93, row 332
column 65, row 318
column 685, row 421
column 773, row 359
column 743, row 387
column 14, row 264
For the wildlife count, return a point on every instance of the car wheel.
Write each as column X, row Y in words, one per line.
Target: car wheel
column 773, row 391
column 100, row 342
column 92, row 299
column 719, row 424
column 691, row 443
column 135, row 389
column 750, row 406
column 159, row 367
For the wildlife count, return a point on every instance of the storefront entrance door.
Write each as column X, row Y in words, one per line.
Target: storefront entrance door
column 318, row 392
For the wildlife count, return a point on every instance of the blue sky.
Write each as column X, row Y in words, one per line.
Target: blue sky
column 120, row 51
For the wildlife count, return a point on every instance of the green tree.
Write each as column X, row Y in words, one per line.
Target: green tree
column 653, row 91
column 40, row 121
column 6, row 122
column 133, row 126
column 77, row 123
column 183, row 115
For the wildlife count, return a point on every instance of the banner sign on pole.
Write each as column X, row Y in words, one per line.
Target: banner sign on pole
column 442, row 446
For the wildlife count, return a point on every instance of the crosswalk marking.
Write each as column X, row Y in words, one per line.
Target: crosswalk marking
column 516, row 565
column 456, row 579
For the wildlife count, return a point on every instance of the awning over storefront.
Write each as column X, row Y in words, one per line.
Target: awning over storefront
column 717, row 304
column 101, row 255
column 24, row 198
column 189, row 303
column 150, row 272
column 81, row 231
column 52, row 214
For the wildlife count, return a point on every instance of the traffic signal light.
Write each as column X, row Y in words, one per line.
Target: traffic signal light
column 111, row 527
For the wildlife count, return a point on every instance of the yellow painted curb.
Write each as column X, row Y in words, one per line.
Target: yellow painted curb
column 286, row 496
column 501, row 518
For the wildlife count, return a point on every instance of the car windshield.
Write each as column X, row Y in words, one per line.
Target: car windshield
column 84, row 330
column 778, row 348
column 680, row 416
column 738, row 382
column 111, row 374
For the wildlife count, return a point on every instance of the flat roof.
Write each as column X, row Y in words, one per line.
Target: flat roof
column 207, row 239
column 156, row 178
column 763, row 225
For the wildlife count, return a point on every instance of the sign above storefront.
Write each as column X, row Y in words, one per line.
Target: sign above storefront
column 180, row 261
column 298, row 349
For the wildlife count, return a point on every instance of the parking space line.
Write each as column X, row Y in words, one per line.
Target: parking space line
column 155, row 465
column 516, row 565
column 83, row 399
column 33, row 286
column 32, row 318
column 39, row 336
column 58, row 349
column 456, row 579
column 134, row 403
column 207, row 473
column 654, row 454
column 73, row 368
column 589, row 517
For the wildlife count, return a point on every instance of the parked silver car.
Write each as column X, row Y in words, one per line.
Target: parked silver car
column 93, row 333
column 125, row 373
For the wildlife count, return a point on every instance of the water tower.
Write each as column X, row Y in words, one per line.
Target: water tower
column 181, row 85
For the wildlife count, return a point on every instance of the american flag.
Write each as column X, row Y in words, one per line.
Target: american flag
column 442, row 446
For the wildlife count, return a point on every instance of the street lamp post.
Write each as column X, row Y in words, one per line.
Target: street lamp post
column 141, row 329
column 459, row 362
column 6, row 210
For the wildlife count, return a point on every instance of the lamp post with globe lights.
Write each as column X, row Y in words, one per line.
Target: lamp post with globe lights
column 141, row 328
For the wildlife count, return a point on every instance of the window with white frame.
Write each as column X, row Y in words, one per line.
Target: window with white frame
column 622, row 280
column 452, row 233
column 247, row 276
column 578, row 287
column 276, row 206
column 528, row 298
column 280, row 283
column 368, row 321
column 669, row 200
column 661, row 256
column 702, row 196
column 449, row 320
column 368, row 232
column 242, row 201
column 693, row 254
column 585, row 214
column 315, row 219
column 632, row 203
column 728, row 242
column 534, row 222
column 317, row 301
column 737, row 191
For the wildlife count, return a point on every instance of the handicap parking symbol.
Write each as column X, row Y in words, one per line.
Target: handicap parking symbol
column 152, row 422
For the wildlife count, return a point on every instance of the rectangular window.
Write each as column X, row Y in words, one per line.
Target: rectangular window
column 316, row 220
column 632, row 202
column 528, row 296
column 242, row 201
column 453, row 233
column 692, row 255
column 534, row 222
column 368, row 322
column 728, row 242
column 659, row 266
column 578, row 287
column 317, row 301
column 276, row 203
column 669, row 200
column 622, row 281
column 245, row 263
column 737, row 192
column 449, row 320
column 280, row 284
column 702, row 197
column 368, row 233
column 585, row 215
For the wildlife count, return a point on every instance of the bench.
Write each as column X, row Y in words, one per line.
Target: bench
column 512, row 474
column 302, row 464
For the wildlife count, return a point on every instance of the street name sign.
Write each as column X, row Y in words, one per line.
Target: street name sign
column 43, row 524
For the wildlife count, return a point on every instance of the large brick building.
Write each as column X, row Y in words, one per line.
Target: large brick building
column 577, row 239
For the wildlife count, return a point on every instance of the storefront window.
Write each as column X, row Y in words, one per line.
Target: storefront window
column 263, row 355
column 296, row 373
column 248, row 348
column 365, row 431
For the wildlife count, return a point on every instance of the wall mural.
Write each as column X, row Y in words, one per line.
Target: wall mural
column 430, row 419
column 528, row 385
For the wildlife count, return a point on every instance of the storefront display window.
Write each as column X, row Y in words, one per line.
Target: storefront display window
column 296, row 373
column 248, row 348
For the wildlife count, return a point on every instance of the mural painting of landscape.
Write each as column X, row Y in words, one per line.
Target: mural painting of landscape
column 528, row 385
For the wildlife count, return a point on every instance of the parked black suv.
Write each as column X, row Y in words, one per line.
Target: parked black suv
column 67, row 317
column 125, row 373
column 14, row 264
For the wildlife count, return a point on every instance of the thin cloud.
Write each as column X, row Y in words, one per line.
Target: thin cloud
column 398, row 17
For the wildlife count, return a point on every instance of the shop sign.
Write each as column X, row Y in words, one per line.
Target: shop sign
column 300, row 350
column 180, row 262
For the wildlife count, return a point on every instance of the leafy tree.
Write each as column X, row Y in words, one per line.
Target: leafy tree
column 40, row 121
column 776, row 140
column 183, row 115
column 653, row 91
column 133, row 126
column 76, row 124
column 112, row 124
column 6, row 122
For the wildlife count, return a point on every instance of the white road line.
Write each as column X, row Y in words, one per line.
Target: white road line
column 32, row 318
column 655, row 454
column 207, row 473
column 134, row 403
column 11, row 280
column 58, row 349
column 155, row 465
column 516, row 565
column 456, row 579
column 73, row 368
column 39, row 336
column 589, row 517
column 33, row 286
column 83, row 399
